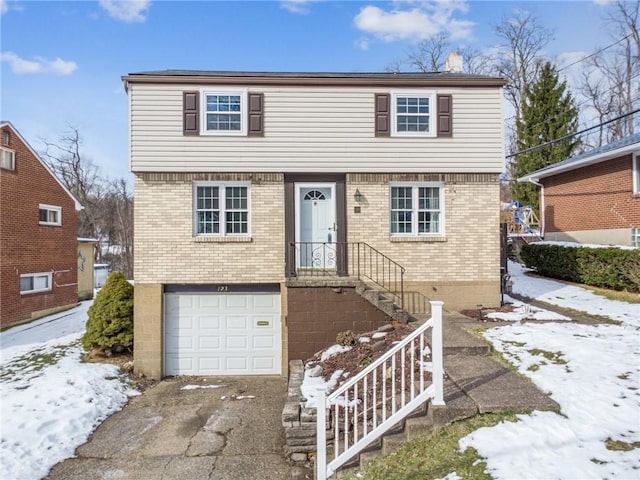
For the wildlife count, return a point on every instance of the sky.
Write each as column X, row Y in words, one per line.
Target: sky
column 62, row 62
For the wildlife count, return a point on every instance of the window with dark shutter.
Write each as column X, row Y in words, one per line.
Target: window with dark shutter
column 383, row 115
column 445, row 125
column 256, row 115
column 191, row 113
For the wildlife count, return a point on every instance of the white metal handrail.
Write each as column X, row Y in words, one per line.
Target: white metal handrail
column 383, row 394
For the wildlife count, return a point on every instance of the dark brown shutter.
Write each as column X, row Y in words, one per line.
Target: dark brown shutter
column 256, row 115
column 383, row 114
column 191, row 113
column 445, row 125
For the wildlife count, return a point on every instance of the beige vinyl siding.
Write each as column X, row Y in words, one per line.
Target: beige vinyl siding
column 314, row 129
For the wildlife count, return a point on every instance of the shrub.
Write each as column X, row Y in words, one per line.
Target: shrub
column 347, row 338
column 110, row 324
column 609, row 267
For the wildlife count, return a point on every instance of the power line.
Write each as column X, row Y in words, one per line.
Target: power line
column 594, row 53
column 557, row 140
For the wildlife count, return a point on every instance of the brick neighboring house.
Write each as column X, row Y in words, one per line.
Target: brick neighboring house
column 262, row 197
column 38, row 232
column 593, row 197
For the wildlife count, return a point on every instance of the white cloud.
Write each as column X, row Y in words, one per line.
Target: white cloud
column 297, row 6
column 603, row 2
column 20, row 66
column 362, row 43
column 4, row 8
column 129, row 11
column 415, row 20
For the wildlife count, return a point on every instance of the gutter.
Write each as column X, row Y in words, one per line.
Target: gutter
column 542, row 222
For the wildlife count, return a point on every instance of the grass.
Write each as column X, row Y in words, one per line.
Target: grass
column 30, row 365
column 436, row 455
column 620, row 446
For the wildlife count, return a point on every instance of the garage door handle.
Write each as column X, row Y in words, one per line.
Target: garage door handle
column 263, row 323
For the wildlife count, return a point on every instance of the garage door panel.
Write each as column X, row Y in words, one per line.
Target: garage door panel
column 233, row 322
column 209, row 343
column 262, row 342
column 222, row 334
column 209, row 323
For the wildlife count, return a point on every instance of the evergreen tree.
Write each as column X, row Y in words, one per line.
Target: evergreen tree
column 549, row 112
column 110, row 323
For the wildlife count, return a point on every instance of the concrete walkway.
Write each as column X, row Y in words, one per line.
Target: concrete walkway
column 189, row 434
column 488, row 385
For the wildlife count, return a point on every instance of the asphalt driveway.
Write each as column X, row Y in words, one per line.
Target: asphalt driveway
column 216, row 431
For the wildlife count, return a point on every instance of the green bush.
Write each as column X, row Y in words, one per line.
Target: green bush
column 110, row 324
column 611, row 267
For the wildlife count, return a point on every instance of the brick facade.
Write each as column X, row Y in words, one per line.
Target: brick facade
column 596, row 197
column 28, row 247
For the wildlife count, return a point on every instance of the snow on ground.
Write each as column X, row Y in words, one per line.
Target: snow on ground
column 569, row 296
column 592, row 371
column 523, row 311
column 51, row 400
column 584, row 245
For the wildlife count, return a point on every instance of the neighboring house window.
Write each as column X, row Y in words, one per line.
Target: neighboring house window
column 413, row 114
column 224, row 112
column 221, row 209
column 5, row 138
column 35, row 282
column 636, row 173
column 417, row 209
column 50, row 215
column 635, row 237
column 7, row 159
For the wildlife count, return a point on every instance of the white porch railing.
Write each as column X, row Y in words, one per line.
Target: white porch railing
column 383, row 394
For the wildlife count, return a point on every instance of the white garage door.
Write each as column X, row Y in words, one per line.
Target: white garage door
column 222, row 334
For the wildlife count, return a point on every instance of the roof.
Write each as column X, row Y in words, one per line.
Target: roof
column 606, row 152
column 35, row 154
column 315, row 78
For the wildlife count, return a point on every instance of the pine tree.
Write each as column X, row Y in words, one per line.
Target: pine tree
column 549, row 112
column 110, row 324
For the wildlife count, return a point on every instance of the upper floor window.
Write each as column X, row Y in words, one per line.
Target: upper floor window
column 5, row 138
column 7, row 159
column 224, row 112
column 35, row 282
column 50, row 215
column 417, row 209
column 412, row 114
column 221, row 209
column 636, row 173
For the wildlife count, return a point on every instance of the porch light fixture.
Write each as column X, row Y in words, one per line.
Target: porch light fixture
column 358, row 197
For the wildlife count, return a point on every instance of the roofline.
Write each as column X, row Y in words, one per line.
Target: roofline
column 601, row 157
column 35, row 154
column 315, row 79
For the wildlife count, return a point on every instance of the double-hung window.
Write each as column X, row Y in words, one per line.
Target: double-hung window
column 50, row 215
column 224, row 112
column 221, row 209
column 413, row 114
column 635, row 169
column 7, row 159
column 35, row 282
column 416, row 209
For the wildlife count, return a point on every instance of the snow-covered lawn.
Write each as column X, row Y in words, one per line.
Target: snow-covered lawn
column 50, row 400
column 592, row 371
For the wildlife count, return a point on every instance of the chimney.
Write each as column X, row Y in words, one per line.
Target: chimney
column 453, row 63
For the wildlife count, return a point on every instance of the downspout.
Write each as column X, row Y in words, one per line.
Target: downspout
column 541, row 206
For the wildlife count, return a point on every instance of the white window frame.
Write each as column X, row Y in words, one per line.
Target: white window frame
column 415, row 189
column 413, row 94
column 50, row 208
column 636, row 172
column 222, row 186
column 47, row 275
column 243, row 93
column 6, row 152
column 635, row 237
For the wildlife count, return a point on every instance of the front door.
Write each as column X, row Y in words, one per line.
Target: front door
column 316, row 226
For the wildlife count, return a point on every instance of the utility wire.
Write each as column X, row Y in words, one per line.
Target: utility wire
column 557, row 140
column 594, row 53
